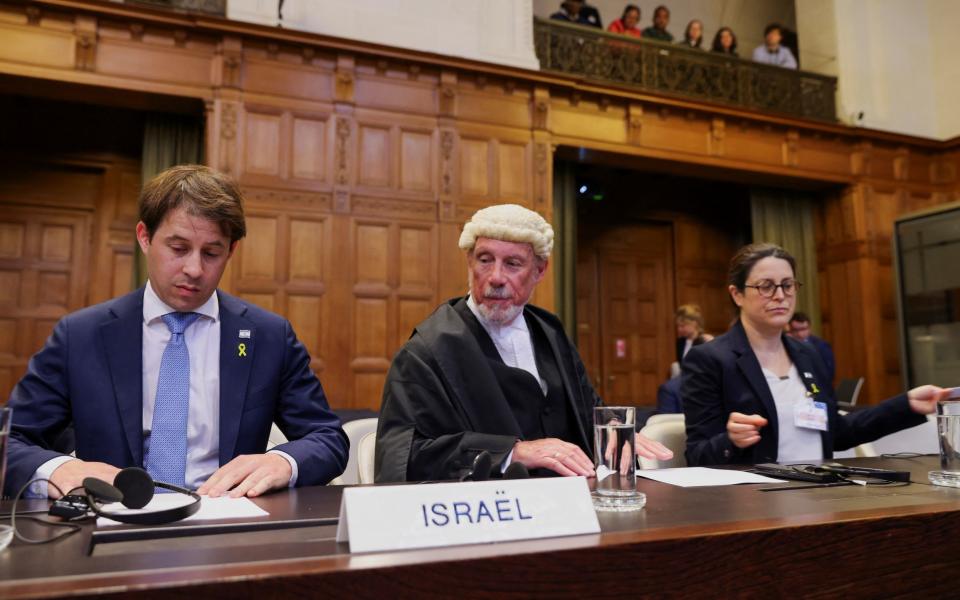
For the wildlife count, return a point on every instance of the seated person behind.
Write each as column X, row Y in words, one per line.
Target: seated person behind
column 176, row 377
column 668, row 397
column 755, row 395
column 725, row 42
column 489, row 372
column 627, row 24
column 690, row 332
column 658, row 31
column 771, row 52
column 579, row 12
column 799, row 329
column 693, row 36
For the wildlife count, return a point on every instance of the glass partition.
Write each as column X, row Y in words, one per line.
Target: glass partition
column 927, row 262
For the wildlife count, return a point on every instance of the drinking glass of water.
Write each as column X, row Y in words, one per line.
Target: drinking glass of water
column 948, row 430
column 614, row 451
column 6, row 532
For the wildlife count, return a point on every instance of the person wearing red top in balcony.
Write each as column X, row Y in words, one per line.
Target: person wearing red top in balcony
column 627, row 24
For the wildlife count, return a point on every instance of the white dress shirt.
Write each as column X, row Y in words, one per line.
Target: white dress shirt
column 203, row 417
column 513, row 342
column 794, row 444
column 781, row 57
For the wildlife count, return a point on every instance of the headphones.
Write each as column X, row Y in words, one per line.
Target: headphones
column 133, row 487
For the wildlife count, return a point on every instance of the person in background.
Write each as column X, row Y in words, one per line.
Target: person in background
column 693, row 36
column 669, row 399
column 755, row 395
column 577, row 11
column 658, row 31
column 591, row 15
column 725, row 42
column 799, row 329
column 690, row 333
column 487, row 371
column 771, row 52
column 627, row 23
column 177, row 377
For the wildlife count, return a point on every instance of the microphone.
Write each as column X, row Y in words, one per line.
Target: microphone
column 516, row 471
column 480, row 469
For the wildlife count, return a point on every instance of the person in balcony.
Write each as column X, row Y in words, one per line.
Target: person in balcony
column 693, row 36
column 579, row 12
column 725, row 42
column 658, row 31
column 627, row 23
column 771, row 52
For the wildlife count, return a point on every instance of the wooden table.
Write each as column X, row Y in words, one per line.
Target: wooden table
column 720, row 541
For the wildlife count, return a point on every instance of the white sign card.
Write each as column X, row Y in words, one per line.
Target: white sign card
column 400, row 517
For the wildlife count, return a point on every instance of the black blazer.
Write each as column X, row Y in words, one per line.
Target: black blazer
column 724, row 376
column 682, row 343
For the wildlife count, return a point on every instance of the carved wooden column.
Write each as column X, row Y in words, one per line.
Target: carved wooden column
column 543, row 182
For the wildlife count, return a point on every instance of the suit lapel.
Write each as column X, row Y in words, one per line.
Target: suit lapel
column 121, row 339
column 750, row 367
column 236, row 357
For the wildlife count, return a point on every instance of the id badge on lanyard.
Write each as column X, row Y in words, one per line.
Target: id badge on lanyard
column 810, row 413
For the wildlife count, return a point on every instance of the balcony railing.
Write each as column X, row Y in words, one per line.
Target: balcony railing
column 210, row 7
column 670, row 69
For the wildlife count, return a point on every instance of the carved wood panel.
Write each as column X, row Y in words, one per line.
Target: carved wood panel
column 394, row 287
column 284, row 266
column 43, row 276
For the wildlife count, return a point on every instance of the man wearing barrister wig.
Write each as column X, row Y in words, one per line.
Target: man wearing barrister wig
column 489, row 372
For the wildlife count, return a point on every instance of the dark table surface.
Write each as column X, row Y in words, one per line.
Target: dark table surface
column 676, row 523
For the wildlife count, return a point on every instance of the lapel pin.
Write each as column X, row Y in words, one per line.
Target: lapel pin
column 245, row 334
column 813, row 387
column 241, row 349
column 806, row 374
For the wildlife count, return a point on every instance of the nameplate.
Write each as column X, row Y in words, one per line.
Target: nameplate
column 400, row 517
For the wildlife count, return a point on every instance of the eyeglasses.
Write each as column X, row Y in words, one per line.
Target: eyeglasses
column 767, row 288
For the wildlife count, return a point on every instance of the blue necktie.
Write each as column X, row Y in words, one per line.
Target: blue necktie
column 166, row 458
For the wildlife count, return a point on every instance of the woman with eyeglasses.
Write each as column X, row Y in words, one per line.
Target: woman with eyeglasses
column 755, row 395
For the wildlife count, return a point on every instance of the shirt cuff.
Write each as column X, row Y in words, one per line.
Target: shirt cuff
column 293, row 465
column 506, row 463
column 38, row 489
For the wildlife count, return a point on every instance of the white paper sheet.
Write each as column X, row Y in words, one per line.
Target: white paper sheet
column 703, row 477
column 210, row 508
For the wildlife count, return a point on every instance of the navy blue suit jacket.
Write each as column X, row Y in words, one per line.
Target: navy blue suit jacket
column 826, row 354
column 724, row 376
column 89, row 375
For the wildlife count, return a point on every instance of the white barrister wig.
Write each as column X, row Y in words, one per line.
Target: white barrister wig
column 509, row 223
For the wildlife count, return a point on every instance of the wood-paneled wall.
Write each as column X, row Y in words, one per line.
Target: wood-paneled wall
column 361, row 163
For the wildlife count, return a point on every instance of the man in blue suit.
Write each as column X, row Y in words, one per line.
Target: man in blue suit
column 799, row 329
column 177, row 377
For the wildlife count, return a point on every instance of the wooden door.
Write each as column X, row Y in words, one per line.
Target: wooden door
column 626, row 282
column 43, row 254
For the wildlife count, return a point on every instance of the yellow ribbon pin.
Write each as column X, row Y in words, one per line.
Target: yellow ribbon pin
column 241, row 349
column 813, row 386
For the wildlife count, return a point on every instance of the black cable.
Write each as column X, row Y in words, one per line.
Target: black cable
column 903, row 455
column 71, row 527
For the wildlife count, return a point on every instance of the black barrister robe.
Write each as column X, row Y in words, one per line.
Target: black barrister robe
column 442, row 403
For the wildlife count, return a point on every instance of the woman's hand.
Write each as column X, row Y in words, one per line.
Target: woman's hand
column 744, row 430
column 923, row 400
